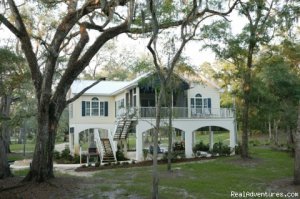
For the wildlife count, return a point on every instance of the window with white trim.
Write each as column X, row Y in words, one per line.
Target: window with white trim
column 95, row 107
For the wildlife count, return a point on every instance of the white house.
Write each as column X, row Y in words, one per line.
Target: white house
column 111, row 108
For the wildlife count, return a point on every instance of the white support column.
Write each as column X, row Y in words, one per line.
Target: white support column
column 188, row 144
column 211, row 138
column 138, row 101
column 139, row 145
column 232, row 139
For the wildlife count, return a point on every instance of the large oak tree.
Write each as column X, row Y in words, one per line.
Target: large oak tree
column 67, row 37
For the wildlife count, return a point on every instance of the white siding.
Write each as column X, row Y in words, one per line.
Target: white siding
column 79, row 119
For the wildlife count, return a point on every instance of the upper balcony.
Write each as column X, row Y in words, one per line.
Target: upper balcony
column 179, row 112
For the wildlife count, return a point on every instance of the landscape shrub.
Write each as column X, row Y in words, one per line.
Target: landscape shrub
column 201, row 147
column 66, row 154
column 238, row 149
column 76, row 159
column 120, row 155
column 56, row 155
column 178, row 146
column 145, row 153
column 221, row 149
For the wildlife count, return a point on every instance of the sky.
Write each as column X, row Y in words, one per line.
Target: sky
column 191, row 51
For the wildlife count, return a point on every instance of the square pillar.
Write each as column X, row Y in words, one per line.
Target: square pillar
column 188, row 143
column 211, row 140
column 232, row 139
column 139, row 145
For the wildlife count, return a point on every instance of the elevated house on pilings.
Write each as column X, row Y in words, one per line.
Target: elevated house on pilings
column 111, row 110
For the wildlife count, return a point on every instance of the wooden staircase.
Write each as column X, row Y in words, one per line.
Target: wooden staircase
column 123, row 127
column 108, row 155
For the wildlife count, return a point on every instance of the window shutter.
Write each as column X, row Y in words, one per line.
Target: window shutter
column 83, row 108
column 192, row 102
column 209, row 102
column 105, row 108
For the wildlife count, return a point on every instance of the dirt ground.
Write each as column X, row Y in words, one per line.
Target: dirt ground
column 73, row 187
column 74, row 183
column 62, row 187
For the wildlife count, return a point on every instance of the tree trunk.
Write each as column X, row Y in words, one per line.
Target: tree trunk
column 170, row 137
column 297, row 151
column 4, row 166
column 245, row 121
column 41, row 168
column 270, row 130
column 276, row 132
column 6, row 101
column 291, row 140
column 155, row 178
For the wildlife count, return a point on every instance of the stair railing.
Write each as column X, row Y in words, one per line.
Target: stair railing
column 112, row 144
column 97, row 139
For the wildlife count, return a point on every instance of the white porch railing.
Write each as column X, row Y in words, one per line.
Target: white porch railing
column 184, row 112
column 97, row 139
column 126, row 112
column 112, row 144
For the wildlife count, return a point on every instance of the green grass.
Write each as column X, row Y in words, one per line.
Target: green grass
column 29, row 147
column 218, row 137
column 19, row 156
column 211, row 179
column 20, row 173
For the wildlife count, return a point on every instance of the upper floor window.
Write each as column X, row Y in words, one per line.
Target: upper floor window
column 95, row 107
column 200, row 105
column 196, row 102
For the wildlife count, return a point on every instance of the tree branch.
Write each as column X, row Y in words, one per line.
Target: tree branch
column 27, row 46
column 155, row 28
column 74, row 69
column 10, row 26
column 84, row 90
column 80, row 45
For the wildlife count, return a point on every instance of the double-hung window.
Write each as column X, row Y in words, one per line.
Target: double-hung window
column 200, row 105
column 95, row 107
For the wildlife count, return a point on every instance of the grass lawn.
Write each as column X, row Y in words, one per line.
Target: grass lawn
column 29, row 147
column 207, row 179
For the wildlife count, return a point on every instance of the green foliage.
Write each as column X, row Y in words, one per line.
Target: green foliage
column 178, row 146
column 66, row 154
column 145, row 153
column 56, row 155
column 120, row 155
column 201, row 147
column 221, row 149
column 238, row 149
